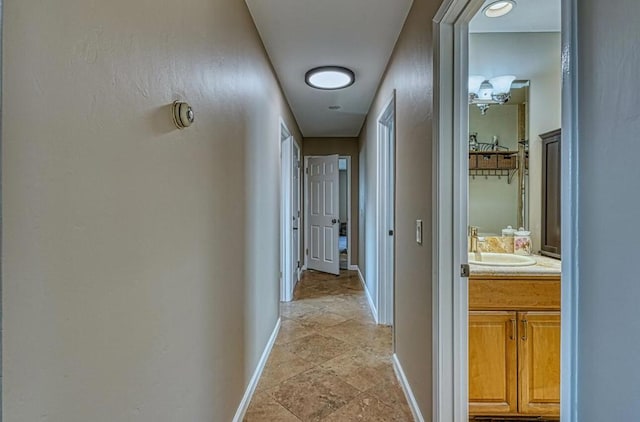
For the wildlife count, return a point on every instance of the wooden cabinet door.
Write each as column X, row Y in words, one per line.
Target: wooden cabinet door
column 539, row 363
column 492, row 362
column 551, row 195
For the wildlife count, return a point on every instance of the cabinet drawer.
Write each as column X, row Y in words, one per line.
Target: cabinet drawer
column 514, row 294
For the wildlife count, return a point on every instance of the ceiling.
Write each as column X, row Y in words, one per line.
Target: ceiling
column 527, row 16
column 302, row 34
column 360, row 35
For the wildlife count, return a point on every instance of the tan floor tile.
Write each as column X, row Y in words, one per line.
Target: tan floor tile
column 281, row 365
column 314, row 394
column 359, row 368
column 264, row 408
column 290, row 330
column 390, row 392
column 329, row 324
column 369, row 409
column 320, row 320
column 375, row 338
column 317, row 349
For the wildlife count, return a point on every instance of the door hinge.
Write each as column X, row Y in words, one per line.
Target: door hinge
column 464, row 270
column 390, row 232
column 298, row 264
column 306, row 251
column 306, row 170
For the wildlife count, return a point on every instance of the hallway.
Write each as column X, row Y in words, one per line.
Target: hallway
column 331, row 362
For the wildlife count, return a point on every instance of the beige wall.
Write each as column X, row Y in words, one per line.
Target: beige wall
column 410, row 73
column 346, row 147
column 140, row 267
column 536, row 57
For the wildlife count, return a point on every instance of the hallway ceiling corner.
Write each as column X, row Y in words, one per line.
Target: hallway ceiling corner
column 303, row 34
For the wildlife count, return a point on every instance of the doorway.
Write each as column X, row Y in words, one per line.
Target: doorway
column 451, row 158
column 289, row 214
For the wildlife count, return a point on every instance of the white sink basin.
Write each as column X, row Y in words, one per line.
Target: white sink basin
column 500, row 259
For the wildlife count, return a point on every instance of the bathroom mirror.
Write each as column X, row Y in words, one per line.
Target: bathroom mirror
column 498, row 163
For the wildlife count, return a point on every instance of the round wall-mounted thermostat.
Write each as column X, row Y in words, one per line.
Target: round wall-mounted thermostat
column 182, row 114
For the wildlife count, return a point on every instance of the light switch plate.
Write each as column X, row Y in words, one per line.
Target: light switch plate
column 419, row 232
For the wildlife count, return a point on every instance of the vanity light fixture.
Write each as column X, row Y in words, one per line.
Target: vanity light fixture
column 484, row 92
column 498, row 8
column 329, row 77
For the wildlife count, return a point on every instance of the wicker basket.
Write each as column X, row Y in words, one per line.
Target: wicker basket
column 487, row 161
column 473, row 161
column 507, row 161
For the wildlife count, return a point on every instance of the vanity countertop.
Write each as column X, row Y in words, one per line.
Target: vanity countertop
column 544, row 266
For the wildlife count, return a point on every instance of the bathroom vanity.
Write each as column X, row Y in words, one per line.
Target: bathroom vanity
column 514, row 340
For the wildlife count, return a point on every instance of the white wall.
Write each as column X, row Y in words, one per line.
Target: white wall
column 608, row 150
column 140, row 262
column 536, row 57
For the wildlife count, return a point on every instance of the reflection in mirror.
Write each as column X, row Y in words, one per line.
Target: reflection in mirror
column 498, row 163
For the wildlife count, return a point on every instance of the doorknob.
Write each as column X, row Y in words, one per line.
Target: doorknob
column 334, row 221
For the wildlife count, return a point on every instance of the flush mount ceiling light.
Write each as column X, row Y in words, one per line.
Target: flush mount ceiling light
column 483, row 92
column 329, row 77
column 498, row 8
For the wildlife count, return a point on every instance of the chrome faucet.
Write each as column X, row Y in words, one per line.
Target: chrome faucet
column 474, row 240
column 473, row 232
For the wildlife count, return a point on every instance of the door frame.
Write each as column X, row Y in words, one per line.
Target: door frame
column 1, row 215
column 287, row 281
column 385, row 210
column 349, row 239
column 450, row 149
column 297, row 248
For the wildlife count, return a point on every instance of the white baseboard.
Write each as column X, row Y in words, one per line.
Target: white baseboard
column 417, row 415
column 372, row 305
column 353, row 267
column 253, row 383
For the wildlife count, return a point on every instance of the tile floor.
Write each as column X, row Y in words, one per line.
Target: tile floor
column 331, row 362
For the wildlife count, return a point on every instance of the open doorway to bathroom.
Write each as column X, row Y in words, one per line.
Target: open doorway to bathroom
column 514, row 87
column 475, row 328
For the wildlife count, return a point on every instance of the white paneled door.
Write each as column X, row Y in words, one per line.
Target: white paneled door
column 324, row 225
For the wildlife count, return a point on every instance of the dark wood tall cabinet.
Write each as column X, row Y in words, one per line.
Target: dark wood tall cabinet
column 551, row 193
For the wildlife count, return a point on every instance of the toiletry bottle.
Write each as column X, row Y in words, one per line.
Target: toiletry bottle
column 522, row 242
column 508, row 238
